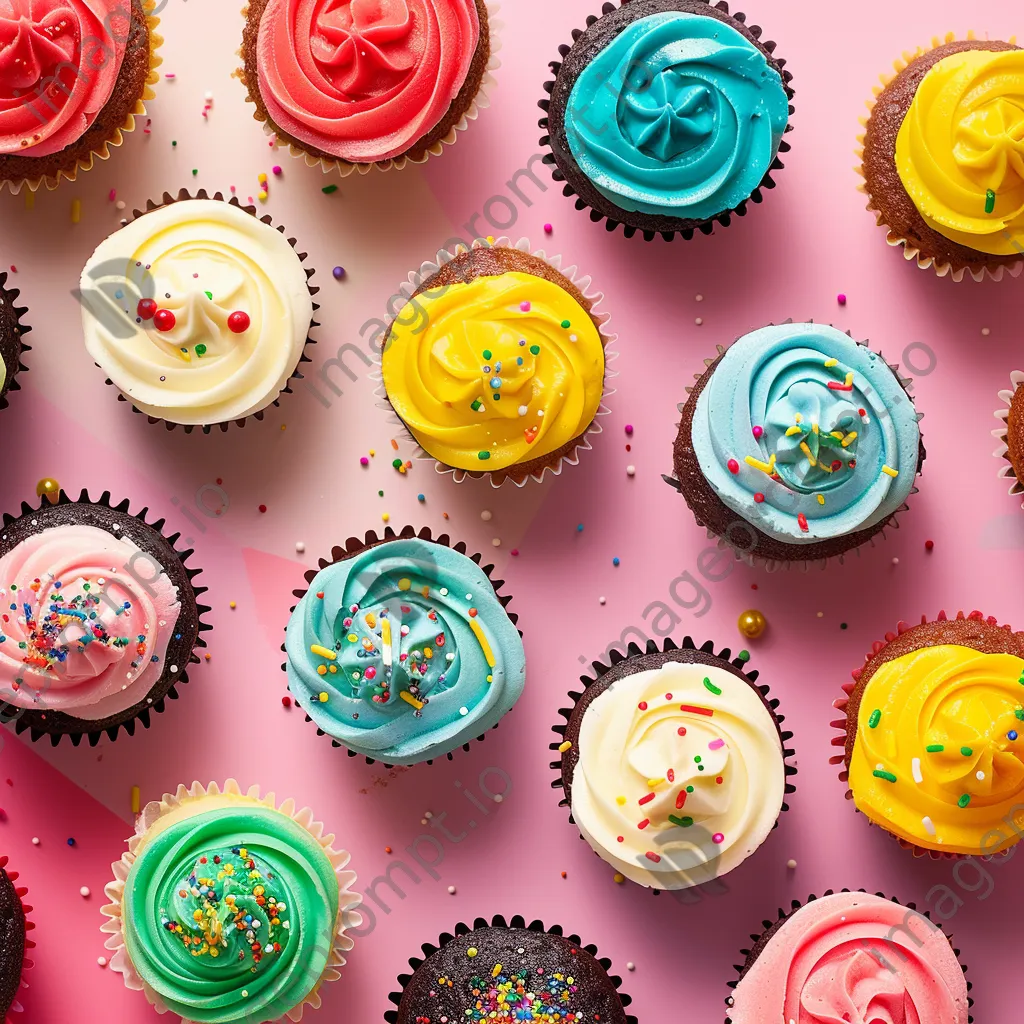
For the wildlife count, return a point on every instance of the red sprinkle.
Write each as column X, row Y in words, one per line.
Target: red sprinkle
column 146, row 308
column 929, row 544
column 320, row 594
column 164, row 320
column 514, row 552
column 694, row 710
column 644, row 823
column 680, row 799
column 263, row 508
column 286, row 701
column 645, row 799
column 238, row 322
column 651, row 855
column 734, row 466
column 670, row 775
column 642, row 705
column 682, row 730
column 802, row 520
column 759, row 497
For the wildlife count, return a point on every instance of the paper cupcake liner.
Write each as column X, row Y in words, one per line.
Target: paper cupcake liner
column 344, row 168
column 180, row 803
column 770, row 927
column 842, row 725
column 754, row 560
column 912, row 253
column 21, row 892
column 352, row 547
column 498, row 921
column 608, row 339
column 166, row 688
column 11, row 295
column 87, row 162
column 704, row 227
column 1007, row 472
column 183, row 195
column 599, row 670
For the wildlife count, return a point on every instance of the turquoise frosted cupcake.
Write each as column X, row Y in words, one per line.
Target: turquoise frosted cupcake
column 401, row 649
column 667, row 116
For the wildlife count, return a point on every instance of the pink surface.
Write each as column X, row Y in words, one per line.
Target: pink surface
column 810, row 240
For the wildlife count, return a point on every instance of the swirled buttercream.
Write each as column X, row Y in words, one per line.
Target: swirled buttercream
column 86, row 621
column 680, row 774
column 679, row 115
column 59, row 61
column 494, row 372
column 806, row 434
column 363, row 80
column 403, row 652
column 857, row 958
column 230, row 915
column 197, row 311
column 939, row 753
column 960, row 149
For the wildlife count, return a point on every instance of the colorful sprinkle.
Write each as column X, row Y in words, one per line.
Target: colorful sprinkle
column 881, row 774
column 710, row 686
column 876, row 717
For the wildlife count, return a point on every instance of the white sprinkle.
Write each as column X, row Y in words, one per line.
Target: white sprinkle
column 699, row 298
column 929, row 825
column 699, row 321
column 487, row 515
column 602, row 600
column 35, row 840
column 498, row 798
column 299, row 546
column 985, row 332
column 630, row 966
column 631, row 470
column 428, row 814
column 980, row 776
column 915, row 767
column 102, row 961
column 895, row 561
column 451, row 890
column 120, row 204
column 84, row 891
column 496, row 542
column 523, row 410
column 791, row 864
column 208, row 96
column 463, row 711
column 174, row 668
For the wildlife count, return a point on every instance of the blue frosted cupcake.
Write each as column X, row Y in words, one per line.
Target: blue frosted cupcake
column 401, row 649
column 667, row 116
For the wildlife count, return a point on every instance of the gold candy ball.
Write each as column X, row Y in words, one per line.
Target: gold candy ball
column 50, row 488
column 752, row 624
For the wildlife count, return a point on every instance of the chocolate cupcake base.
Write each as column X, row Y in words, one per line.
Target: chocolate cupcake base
column 575, row 57
column 12, row 333
column 1011, row 434
column 14, row 940
column 184, row 644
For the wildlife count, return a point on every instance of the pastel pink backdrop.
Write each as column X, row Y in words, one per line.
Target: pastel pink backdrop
column 810, row 240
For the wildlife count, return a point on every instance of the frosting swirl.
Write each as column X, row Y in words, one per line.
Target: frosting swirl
column 403, row 652
column 229, row 915
column 495, row 371
column 938, row 759
column 59, row 62
column 857, row 958
column 197, row 311
column 679, row 115
column 680, row 774
column 85, row 622
column 363, row 80
column 960, row 149
column 806, row 434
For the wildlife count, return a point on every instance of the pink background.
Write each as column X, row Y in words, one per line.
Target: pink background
column 810, row 240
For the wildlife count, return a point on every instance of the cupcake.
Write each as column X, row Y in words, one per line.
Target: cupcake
column 933, row 736
column 673, row 763
column 509, row 972
column 851, row 956
column 496, row 365
column 12, row 345
column 14, row 941
column 938, row 157
column 229, row 908
column 1011, row 434
column 198, row 311
column 667, row 116
column 797, row 444
column 102, row 618
column 352, row 86
column 401, row 649
column 73, row 76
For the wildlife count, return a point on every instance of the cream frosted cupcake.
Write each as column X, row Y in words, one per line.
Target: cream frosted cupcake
column 227, row 908
column 198, row 311
column 674, row 764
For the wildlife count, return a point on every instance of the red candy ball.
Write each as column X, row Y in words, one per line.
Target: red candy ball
column 147, row 308
column 164, row 320
column 238, row 322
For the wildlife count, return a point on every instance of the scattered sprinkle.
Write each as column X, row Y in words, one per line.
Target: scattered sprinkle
column 841, row 298
column 791, row 864
column 339, row 273
column 85, row 892
column 329, row 189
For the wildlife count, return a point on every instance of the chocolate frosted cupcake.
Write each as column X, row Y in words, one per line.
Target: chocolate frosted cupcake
column 101, row 620
column 500, row 972
column 937, row 157
column 933, row 736
column 14, row 940
column 12, row 345
column 797, row 444
column 353, row 86
column 851, row 956
column 74, row 74
column 673, row 763
column 667, row 116
column 1011, row 434
column 401, row 648
column 497, row 363
column 198, row 311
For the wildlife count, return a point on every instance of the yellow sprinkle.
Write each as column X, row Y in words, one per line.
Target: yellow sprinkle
column 262, row 179
column 372, row 453
column 618, row 879
column 231, row 604
column 837, row 434
column 385, row 631
column 472, row 951
column 262, row 196
column 563, row 747
column 324, row 696
column 814, row 427
column 765, row 467
column 849, row 439
column 484, row 645
column 821, row 499
column 490, row 679
column 427, row 653
column 371, row 620
column 620, row 800
column 410, row 699
column 798, row 418
column 652, row 783
column 425, row 591
column 496, row 970
column 135, row 799
column 321, row 670
column 323, row 652
column 807, row 452
column 849, row 379
column 76, row 211
column 332, row 669
column 829, row 363
column 792, row 431
column 824, row 468
column 352, row 638
column 30, row 199
column 386, row 517
column 889, row 471
column 404, row 583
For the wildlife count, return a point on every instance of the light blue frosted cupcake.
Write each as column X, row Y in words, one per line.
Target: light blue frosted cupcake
column 667, row 116
column 401, row 649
